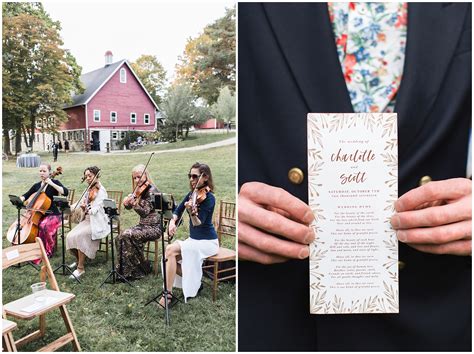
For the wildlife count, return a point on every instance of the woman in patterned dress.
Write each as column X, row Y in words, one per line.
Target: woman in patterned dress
column 131, row 262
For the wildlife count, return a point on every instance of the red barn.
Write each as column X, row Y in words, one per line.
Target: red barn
column 114, row 102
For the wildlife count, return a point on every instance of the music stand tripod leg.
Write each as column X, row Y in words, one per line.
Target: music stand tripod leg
column 165, row 293
column 64, row 266
column 113, row 273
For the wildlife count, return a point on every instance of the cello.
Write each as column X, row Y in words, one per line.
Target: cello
column 36, row 207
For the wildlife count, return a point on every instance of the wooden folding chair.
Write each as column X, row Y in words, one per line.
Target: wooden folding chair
column 67, row 219
column 226, row 226
column 28, row 307
column 156, row 248
column 8, row 344
column 117, row 197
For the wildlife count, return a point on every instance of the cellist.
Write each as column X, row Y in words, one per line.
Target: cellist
column 50, row 223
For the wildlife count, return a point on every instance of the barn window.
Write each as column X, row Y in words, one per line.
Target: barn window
column 115, row 135
column 123, row 76
column 133, row 118
column 113, row 117
column 96, row 115
column 146, row 118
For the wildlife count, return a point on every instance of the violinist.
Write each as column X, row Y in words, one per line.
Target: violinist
column 131, row 262
column 202, row 243
column 84, row 239
column 50, row 223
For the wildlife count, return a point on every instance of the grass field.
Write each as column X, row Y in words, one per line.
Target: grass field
column 113, row 318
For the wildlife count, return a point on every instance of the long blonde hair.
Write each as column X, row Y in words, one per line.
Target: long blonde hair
column 146, row 176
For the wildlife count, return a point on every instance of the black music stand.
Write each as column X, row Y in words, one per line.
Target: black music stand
column 18, row 203
column 63, row 206
column 112, row 212
column 161, row 205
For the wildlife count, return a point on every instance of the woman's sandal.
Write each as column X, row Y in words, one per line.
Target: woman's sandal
column 162, row 300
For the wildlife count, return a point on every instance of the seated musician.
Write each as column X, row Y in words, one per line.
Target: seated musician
column 131, row 262
column 51, row 221
column 202, row 242
column 84, row 239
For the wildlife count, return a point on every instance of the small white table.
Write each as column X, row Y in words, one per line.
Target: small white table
column 28, row 160
column 29, row 307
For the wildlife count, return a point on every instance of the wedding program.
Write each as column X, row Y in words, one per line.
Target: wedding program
column 353, row 185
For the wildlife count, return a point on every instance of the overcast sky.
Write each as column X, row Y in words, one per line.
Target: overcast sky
column 130, row 29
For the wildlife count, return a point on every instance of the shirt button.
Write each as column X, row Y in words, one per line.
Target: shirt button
column 424, row 180
column 401, row 265
column 295, row 175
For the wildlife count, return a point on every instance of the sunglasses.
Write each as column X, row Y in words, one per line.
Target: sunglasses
column 193, row 176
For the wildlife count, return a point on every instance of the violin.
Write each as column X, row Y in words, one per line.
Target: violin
column 36, row 207
column 94, row 188
column 132, row 199
column 90, row 193
column 198, row 195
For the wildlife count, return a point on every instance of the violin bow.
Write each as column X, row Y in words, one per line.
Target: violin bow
column 138, row 183
column 88, row 187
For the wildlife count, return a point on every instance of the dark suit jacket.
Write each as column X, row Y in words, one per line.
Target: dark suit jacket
column 288, row 66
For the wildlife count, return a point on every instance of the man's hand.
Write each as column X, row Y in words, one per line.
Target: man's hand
column 436, row 217
column 273, row 224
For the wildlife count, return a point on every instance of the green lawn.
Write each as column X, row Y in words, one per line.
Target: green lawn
column 113, row 318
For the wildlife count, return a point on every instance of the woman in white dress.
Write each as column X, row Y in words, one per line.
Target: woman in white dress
column 84, row 239
column 202, row 242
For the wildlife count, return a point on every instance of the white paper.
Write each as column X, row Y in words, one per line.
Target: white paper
column 12, row 255
column 352, row 187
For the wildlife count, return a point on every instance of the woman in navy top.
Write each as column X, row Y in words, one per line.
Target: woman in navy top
column 202, row 242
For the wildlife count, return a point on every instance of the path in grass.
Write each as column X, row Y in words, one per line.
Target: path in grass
column 226, row 142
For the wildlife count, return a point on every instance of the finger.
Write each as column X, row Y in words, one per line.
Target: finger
column 456, row 248
column 247, row 253
column 448, row 189
column 433, row 216
column 437, row 235
column 261, row 193
column 270, row 244
column 273, row 223
column 279, row 211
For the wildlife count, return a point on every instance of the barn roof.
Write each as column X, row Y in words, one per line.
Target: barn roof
column 94, row 80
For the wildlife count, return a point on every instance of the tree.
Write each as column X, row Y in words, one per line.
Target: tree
column 224, row 108
column 40, row 74
column 208, row 62
column 180, row 112
column 151, row 74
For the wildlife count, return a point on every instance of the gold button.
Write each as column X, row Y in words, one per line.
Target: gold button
column 401, row 265
column 424, row 180
column 295, row 175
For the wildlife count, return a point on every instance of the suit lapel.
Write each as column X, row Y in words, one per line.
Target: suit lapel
column 433, row 32
column 305, row 28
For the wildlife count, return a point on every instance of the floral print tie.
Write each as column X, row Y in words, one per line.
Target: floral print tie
column 370, row 41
